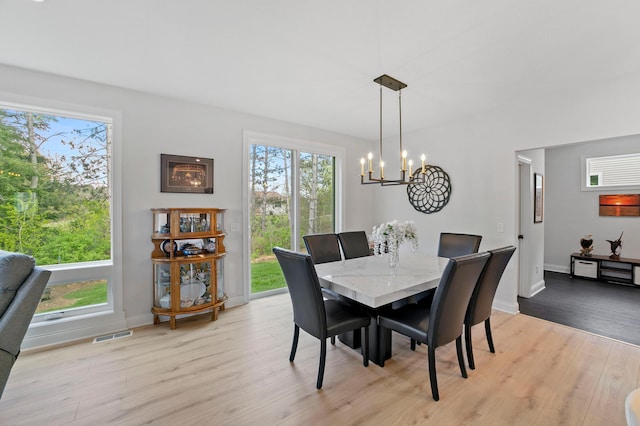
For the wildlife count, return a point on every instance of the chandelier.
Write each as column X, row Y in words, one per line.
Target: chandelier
column 412, row 177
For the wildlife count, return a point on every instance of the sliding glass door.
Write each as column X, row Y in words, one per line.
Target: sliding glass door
column 291, row 193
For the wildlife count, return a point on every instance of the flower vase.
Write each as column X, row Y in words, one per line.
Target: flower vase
column 394, row 258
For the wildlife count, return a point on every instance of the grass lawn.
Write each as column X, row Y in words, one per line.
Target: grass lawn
column 73, row 295
column 266, row 275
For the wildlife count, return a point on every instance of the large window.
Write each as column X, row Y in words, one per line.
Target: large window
column 614, row 171
column 291, row 193
column 56, row 205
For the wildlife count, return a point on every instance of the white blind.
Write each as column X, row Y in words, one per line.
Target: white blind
column 614, row 170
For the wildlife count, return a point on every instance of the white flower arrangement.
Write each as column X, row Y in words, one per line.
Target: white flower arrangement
column 388, row 236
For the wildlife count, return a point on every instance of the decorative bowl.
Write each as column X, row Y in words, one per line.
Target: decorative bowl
column 191, row 250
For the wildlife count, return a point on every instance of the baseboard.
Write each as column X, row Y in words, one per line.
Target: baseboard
column 73, row 329
column 563, row 269
column 537, row 288
column 510, row 308
column 147, row 319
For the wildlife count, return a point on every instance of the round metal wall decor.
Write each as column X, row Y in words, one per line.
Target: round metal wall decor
column 432, row 195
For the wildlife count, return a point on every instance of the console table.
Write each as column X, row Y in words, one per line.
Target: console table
column 619, row 270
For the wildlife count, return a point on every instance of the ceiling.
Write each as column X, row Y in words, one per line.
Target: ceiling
column 313, row 62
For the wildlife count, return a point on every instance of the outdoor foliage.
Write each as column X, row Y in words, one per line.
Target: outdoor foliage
column 54, row 189
column 271, row 206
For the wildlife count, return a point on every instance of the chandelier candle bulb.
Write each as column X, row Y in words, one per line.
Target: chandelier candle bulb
column 382, row 170
column 423, row 158
column 410, row 169
column 370, row 157
column 362, row 167
column 404, row 161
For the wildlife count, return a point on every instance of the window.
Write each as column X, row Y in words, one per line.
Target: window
column 614, row 171
column 56, row 205
column 291, row 193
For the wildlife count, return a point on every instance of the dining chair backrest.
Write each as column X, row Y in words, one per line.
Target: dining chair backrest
column 482, row 297
column 452, row 245
column 304, row 289
column 452, row 297
column 323, row 248
column 354, row 244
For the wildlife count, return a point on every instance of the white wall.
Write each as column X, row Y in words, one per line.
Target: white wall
column 479, row 153
column 572, row 213
column 154, row 125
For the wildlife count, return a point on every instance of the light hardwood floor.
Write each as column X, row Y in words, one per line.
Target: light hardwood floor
column 235, row 371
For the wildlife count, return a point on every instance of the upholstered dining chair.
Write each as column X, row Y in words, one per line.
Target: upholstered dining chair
column 320, row 318
column 324, row 248
column 452, row 245
column 442, row 322
column 479, row 309
column 354, row 244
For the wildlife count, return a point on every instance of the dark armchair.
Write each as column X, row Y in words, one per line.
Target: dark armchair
column 21, row 287
column 479, row 309
column 452, row 245
column 442, row 322
column 320, row 318
column 354, row 244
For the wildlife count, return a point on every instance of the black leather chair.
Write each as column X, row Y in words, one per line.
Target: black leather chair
column 479, row 309
column 324, row 248
column 320, row 318
column 354, row 244
column 441, row 323
column 452, row 245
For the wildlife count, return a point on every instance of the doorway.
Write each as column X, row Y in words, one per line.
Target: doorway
column 525, row 194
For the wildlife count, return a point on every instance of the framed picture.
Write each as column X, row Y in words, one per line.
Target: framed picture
column 538, row 197
column 186, row 174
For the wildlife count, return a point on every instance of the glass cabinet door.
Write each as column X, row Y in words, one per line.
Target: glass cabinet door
column 220, row 278
column 162, row 285
column 191, row 224
column 161, row 222
column 195, row 283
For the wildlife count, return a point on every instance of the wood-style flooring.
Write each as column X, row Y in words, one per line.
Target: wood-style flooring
column 607, row 309
column 235, row 371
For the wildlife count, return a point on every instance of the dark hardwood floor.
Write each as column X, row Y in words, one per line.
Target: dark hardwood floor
column 606, row 309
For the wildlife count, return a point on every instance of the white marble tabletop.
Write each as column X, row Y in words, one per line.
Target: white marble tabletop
column 370, row 281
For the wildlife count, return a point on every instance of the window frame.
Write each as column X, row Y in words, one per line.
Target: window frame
column 585, row 174
column 98, row 319
column 297, row 145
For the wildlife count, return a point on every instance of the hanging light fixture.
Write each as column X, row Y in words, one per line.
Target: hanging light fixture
column 405, row 179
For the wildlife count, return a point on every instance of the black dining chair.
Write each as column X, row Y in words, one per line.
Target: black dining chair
column 442, row 322
column 320, row 318
column 479, row 309
column 354, row 244
column 452, row 245
column 324, row 248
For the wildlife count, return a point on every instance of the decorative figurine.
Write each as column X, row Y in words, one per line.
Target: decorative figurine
column 616, row 246
column 586, row 243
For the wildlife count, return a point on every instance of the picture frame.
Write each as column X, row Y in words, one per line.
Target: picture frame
column 179, row 173
column 538, row 197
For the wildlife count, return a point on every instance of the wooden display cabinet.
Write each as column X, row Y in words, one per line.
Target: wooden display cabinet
column 188, row 262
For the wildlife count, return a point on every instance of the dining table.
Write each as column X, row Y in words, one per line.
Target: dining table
column 375, row 286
